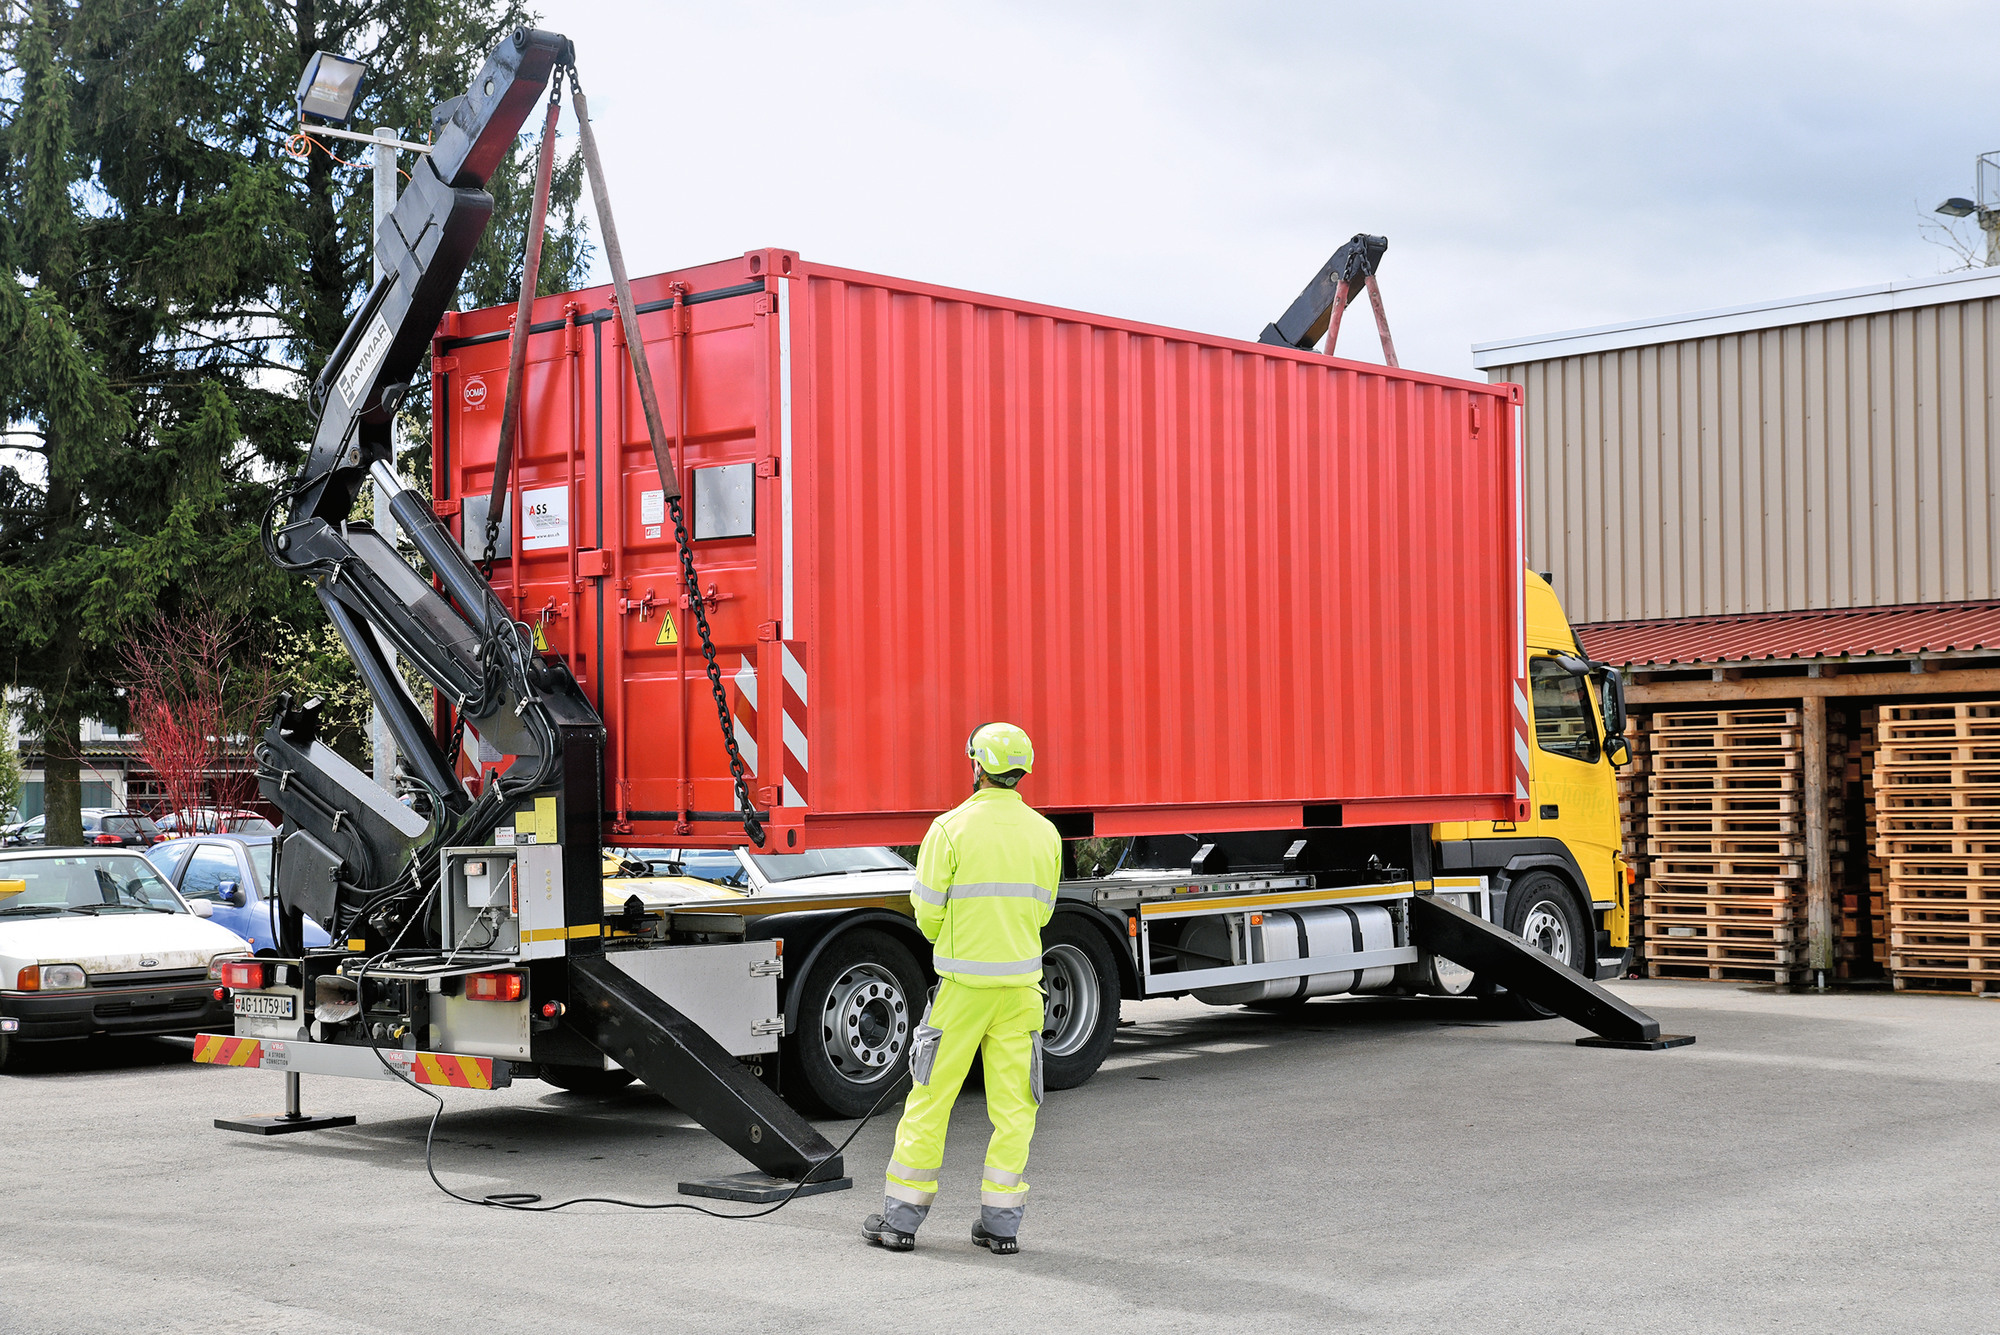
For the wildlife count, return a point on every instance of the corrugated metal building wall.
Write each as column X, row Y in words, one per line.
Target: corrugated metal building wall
column 1784, row 521
column 1834, row 451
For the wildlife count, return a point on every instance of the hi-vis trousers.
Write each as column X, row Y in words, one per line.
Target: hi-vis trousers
column 1003, row 1025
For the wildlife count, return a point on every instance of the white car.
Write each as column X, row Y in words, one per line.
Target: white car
column 93, row 941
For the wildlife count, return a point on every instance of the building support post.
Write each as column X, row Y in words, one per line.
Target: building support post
column 1819, row 862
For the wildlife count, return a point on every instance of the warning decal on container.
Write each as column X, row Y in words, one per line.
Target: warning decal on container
column 653, row 514
column 541, row 639
column 668, row 635
column 547, row 512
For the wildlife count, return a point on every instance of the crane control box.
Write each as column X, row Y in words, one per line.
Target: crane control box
column 499, row 900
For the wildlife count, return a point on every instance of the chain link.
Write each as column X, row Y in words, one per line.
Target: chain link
column 751, row 825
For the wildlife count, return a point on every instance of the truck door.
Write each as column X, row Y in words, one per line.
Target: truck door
column 1573, row 799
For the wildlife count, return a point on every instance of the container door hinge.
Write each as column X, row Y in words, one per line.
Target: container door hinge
column 768, row 467
column 767, row 632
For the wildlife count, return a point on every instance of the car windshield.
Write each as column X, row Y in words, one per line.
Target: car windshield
column 251, row 825
column 826, row 862
column 84, row 883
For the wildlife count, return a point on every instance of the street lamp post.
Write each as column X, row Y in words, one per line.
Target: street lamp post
column 1986, row 185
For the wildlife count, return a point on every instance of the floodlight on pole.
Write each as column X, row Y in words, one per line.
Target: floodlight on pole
column 1958, row 206
column 330, row 87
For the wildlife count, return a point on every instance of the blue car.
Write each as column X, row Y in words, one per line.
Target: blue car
column 232, row 872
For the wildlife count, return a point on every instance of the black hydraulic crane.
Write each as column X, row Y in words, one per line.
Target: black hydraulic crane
column 1316, row 312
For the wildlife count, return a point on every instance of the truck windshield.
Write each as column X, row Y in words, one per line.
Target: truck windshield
column 826, row 862
column 86, row 884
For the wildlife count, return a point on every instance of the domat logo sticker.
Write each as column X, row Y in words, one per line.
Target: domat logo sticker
column 475, row 393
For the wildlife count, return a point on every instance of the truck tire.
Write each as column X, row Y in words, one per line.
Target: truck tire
column 1080, row 991
column 859, row 1006
column 586, row 1079
column 1542, row 911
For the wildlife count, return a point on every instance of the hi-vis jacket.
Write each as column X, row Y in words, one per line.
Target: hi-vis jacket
column 987, row 878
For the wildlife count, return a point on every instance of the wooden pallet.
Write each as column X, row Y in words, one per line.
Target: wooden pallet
column 1936, row 820
column 1724, row 804
column 1701, row 719
column 1730, row 931
column 1697, row 971
column 1732, row 868
column 1676, row 909
column 1944, row 913
column 1725, row 846
column 1958, row 985
column 1733, row 782
column 1726, row 739
column 1903, row 755
column 1937, row 843
column 1712, row 762
column 1957, row 777
column 1723, row 825
column 1711, row 887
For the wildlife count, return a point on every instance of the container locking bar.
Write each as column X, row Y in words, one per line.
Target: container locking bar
column 1448, row 930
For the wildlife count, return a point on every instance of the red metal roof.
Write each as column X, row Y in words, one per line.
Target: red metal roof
column 1856, row 632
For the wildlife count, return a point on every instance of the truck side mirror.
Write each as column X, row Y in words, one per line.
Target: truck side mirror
column 1611, row 691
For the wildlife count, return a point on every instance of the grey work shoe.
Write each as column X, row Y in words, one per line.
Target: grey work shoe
column 884, row 1234
column 994, row 1242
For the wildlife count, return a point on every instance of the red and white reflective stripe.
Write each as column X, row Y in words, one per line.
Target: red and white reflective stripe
column 1523, row 755
column 798, row 764
column 743, row 713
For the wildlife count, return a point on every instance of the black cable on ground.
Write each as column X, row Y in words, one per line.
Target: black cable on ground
column 529, row 1202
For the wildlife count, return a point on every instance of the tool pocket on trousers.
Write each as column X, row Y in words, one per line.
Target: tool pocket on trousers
column 923, row 1052
column 1035, row 1067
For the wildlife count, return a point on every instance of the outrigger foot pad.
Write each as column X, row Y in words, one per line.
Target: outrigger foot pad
column 282, row 1124
column 993, row 1242
column 1638, row 1044
column 880, row 1232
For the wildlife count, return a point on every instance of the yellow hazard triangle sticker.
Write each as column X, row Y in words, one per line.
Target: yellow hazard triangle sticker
column 541, row 639
column 668, row 635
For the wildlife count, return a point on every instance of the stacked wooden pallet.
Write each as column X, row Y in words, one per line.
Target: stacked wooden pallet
column 1937, row 822
column 1869, row 917
column 1633, row 782
column 1726, row 837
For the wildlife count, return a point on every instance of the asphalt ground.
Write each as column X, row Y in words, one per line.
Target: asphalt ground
column 1814, row 1163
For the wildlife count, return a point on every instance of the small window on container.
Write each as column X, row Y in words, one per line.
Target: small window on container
column 725, row 501
column 1563, row 724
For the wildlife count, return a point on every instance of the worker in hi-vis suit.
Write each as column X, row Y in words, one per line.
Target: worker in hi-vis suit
column 986, row 885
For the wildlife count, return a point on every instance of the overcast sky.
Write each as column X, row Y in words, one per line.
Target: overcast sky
column 1535, row 167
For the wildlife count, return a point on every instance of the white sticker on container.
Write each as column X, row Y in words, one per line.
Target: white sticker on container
column 547, row 512
column 504, row 836
column 653, row 509
column 652, row 530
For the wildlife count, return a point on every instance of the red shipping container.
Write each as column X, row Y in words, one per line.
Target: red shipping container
column 1224, row 586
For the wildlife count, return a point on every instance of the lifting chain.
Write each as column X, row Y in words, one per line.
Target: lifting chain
column 752, row 826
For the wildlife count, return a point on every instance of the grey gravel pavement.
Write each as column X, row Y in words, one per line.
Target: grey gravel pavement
column 1814, row 1163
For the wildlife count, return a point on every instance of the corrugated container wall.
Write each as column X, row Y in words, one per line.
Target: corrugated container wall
column 1834, row 463
column 1223, row 586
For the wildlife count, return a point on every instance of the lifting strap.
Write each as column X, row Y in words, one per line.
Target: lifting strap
column 517, row 349
column 621, row 295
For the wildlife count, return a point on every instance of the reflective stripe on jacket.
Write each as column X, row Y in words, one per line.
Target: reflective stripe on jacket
column 986, row 886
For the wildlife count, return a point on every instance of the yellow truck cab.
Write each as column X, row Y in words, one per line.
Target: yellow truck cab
column 1558, row 878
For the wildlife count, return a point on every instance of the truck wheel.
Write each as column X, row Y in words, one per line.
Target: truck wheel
column 1543, row 913
column 587, row 1079
column 1080, row 987
column 861, row 1001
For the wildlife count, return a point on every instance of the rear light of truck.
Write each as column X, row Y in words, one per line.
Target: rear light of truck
column 493, row 987
column 245, row 975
